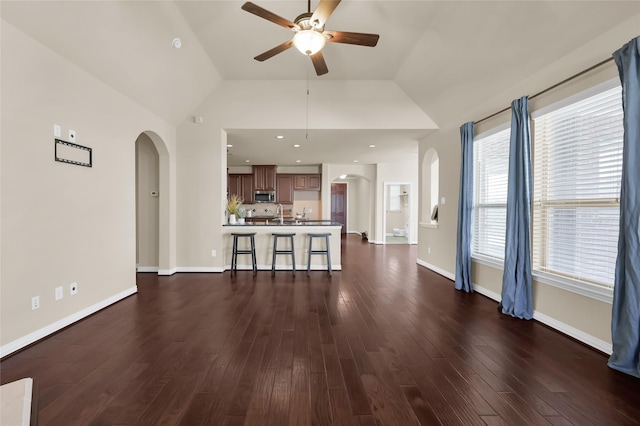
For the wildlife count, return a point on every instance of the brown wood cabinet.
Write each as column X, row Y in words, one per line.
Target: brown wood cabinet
column 264, row 178
column 284, row 193
column 307, row 182
column 241, row 185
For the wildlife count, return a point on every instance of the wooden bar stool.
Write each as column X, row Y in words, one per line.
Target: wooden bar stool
column 277, row 235
column 326, row 251
column 236, row 252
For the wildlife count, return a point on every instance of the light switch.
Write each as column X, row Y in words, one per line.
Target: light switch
column 57, row 132
column 442, row 201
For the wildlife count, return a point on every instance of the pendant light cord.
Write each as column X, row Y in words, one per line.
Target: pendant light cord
column 307, row 133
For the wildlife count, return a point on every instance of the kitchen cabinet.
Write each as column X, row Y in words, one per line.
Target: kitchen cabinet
column 241, row 185
column 264, row 178
column 284, row 193
column 307, row 182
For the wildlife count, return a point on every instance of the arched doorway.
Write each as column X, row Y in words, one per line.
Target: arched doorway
column 155, row 228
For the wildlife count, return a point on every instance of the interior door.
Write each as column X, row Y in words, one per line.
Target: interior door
column 339, row 205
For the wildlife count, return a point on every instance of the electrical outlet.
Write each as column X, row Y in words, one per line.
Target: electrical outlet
column 59, row 293
column 73, row 288
column 35, row 302
column 213, row 253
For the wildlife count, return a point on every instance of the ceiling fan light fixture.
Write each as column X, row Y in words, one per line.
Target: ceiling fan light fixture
column 309, row 42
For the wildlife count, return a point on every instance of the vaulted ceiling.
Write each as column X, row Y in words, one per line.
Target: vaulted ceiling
column 452, row 58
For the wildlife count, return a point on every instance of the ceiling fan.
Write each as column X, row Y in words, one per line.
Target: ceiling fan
column 310, row 35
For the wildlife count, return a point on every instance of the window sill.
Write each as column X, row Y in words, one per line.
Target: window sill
column 433, row 225
column 592, row 291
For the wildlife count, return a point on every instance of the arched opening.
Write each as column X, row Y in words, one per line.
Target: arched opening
column 358, row 205
column 430, row 187
column 155, row 229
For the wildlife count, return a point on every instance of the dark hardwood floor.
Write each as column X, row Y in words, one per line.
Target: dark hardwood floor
column 382, row 342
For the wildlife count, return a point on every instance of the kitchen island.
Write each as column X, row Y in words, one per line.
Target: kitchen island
column 264, row 244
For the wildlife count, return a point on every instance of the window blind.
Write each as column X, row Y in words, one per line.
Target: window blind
column 577, row 172
column 490, row 170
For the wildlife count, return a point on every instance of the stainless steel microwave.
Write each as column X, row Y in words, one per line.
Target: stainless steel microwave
column 264, row 196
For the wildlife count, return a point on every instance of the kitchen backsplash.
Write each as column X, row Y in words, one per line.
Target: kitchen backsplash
column 268, row 209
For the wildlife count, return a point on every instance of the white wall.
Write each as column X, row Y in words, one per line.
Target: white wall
column 63, row 223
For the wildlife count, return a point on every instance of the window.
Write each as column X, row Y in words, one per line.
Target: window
column 490, row 173
column 394, row 198
column 577, row 171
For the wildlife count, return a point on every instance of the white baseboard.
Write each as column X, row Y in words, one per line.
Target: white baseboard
column 167, row 271
column 579, row 335
column 199, row 269
column 437, row 270
column 146, row 269
column 30, row 338
column 248, row 267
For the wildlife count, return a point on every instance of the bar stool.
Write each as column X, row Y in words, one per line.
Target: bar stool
column 277, row 235
column 325, row 252
column 236, row 252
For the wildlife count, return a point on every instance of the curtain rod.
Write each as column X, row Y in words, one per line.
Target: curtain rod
column 566, row 80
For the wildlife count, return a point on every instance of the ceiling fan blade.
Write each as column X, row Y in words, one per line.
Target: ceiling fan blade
column 319, row 64
column 269, row 16
column 361, row 39
column 273, row 52
column 323, row 11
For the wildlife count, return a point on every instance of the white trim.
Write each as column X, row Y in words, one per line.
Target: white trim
column 204, row 269
column 603, row 294
column 428, row 225
column 579, row 335
column 299, row 267
column 559, row 326
column 146, row 269
column 30, row 338
column 488, row 261
column 497, row 129
column 580, row 96
column 167, row 271
column 437, row 270
column 26, row 402
column 488, row 293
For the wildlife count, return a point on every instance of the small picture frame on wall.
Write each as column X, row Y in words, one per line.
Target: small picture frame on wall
column 72, row 153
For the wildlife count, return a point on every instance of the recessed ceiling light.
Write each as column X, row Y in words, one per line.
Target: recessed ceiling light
column 372, row 146
column 229, row 145
column 355, row 161
column 343, row 176
column 279, row 137
column 296, row 146
column 176, row 43
column 247, row 161
column 297, row 161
